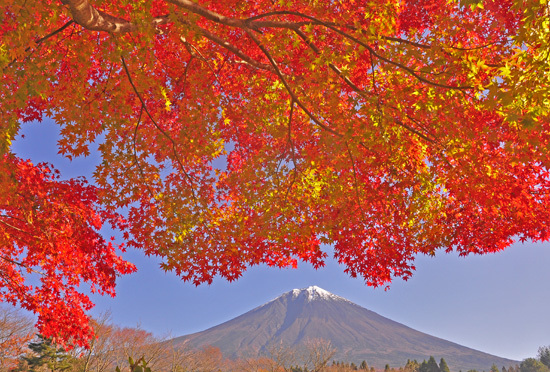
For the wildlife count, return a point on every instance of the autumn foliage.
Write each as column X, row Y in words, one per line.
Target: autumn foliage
column 237, row 133
column 50, row 245
column 16, row 331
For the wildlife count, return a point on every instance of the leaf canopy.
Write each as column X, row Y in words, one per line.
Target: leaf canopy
column 239, row 133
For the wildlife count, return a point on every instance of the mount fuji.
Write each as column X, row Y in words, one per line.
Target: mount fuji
column 357, row 333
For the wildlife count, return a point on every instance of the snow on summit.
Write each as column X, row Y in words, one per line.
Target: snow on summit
column 310, row 294
column 315, row 293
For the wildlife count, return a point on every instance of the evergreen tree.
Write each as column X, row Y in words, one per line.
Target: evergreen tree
column 494, row 368
column 423, row 366
column 429, row 366
column 45, row 353
column 443, row 367
column 364, row 365
column 532, row 365
column 544, row 355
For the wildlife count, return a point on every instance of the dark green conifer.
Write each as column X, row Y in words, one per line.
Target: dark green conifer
column 45, row 353
column 443, row 367
column 429, row 366
column 544, row 355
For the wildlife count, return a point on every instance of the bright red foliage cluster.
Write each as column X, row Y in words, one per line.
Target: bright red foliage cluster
column 50, row 244
column 239, row 133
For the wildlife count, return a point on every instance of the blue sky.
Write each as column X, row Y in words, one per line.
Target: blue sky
column 496, row 303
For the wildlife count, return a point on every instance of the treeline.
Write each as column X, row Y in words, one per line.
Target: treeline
column 133, row 349
column 112, row 346
column 129, row 349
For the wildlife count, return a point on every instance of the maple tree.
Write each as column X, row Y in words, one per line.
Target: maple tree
column 237, row 133
column 50, row 244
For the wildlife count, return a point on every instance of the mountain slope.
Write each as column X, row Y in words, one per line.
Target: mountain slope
column 357, row 333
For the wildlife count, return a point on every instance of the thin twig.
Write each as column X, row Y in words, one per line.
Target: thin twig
column 333, row 67
column 411, row 129
column 332, row 27
column 135, row 154
column 42, row 39
column 356, row 183
column 292, row 149
column 22, row 265
column 233, row 49
column 176, row 156
column 288, row 88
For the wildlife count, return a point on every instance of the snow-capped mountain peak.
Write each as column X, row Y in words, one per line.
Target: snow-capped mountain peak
column 315, row 293
column 301, row 315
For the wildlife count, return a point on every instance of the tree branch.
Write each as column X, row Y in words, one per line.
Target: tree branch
column 53, row 33
column 236, row 51
column 332, row 26
column 144, row 106
column 359, row 201
column 208, row 14
column 22, row 265
column 288, row 88
column 93, row 19
column 333, row 67
column 44, row 38
column 292, row 149
column 135, row 154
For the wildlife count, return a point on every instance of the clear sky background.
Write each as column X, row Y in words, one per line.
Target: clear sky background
column 497, row 303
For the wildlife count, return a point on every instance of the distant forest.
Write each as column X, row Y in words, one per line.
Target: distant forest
column 135, row 350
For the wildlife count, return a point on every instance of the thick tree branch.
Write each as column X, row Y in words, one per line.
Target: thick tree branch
column 206, row 13
column 93, row 19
